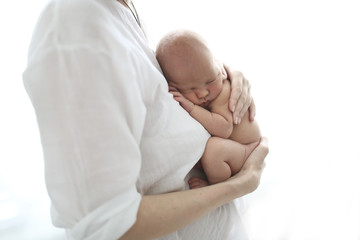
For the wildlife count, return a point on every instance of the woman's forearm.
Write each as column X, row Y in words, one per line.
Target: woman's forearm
column 160, row 215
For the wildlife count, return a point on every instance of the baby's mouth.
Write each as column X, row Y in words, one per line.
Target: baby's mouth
column 205, row 103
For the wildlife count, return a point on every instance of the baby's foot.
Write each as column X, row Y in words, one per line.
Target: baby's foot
column 196, row 182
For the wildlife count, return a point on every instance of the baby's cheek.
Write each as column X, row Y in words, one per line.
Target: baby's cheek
column 216, row 90
column 192, row 98
column 187, row 95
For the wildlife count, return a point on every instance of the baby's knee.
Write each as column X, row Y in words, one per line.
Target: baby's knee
column 214, row 161
column 214, row 145
column 213, row 151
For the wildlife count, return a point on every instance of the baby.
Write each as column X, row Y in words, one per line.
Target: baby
column 199, row 83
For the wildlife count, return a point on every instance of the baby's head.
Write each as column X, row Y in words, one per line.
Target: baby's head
column 189, row 66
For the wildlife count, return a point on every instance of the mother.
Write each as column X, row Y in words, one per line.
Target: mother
column 117, row 148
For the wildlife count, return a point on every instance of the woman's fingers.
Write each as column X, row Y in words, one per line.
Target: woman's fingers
column 236, row 87
column 252, row 110
column 240, row 97
column 257, row 157
column 244, row 102
column 253, row 167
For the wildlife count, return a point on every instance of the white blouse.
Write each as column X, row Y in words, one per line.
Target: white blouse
column 110, row 130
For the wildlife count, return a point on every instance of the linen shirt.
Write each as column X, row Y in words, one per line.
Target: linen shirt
column 110, row 131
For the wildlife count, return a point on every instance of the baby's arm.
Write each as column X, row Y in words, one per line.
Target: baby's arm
column 215, row 123
column 218, row 121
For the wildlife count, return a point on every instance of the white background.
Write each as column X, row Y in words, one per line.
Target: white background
column 303, row 61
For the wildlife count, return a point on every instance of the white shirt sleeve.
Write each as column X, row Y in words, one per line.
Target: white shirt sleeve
column 91, row 118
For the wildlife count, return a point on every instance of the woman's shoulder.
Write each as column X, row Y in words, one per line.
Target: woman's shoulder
column 82, row 23
column 78, row 16
column 69, row 10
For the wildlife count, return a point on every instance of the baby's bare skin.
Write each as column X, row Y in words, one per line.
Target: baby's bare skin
column 199, row 83
column 223, row 158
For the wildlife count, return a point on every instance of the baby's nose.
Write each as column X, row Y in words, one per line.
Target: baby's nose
column 202, row 93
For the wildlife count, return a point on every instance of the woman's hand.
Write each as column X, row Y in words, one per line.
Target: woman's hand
column 252, row 169
column 240, row 97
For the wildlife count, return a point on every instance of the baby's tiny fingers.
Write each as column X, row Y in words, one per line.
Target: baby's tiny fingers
column 172, row 89
column 174, row 93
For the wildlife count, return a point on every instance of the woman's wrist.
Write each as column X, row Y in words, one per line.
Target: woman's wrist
column 241, row 185
column 248, row 179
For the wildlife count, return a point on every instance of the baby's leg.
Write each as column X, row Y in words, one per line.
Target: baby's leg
column 222, row 158
column 225, row 157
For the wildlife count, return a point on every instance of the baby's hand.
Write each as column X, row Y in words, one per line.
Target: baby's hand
column 185, row 103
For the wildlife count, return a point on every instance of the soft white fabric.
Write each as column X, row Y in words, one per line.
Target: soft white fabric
column 110, row 130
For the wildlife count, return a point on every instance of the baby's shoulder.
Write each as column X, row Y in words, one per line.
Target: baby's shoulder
column 223, row 97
